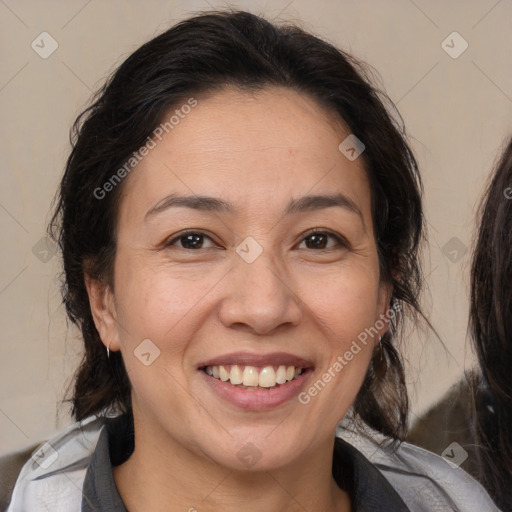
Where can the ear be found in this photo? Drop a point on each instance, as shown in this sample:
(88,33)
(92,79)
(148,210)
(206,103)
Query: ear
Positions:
(383,307)
(103,311)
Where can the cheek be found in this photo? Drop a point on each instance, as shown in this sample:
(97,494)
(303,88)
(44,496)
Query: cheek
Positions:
(156,303)
(345,302)
(345,309)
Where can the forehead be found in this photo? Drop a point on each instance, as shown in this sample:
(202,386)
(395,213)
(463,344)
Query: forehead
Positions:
(249,147)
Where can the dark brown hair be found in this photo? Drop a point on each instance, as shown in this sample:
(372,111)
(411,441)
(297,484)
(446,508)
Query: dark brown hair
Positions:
(198,56)
(491,329)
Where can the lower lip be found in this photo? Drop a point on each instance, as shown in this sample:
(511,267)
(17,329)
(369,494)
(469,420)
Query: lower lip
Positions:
(257,399)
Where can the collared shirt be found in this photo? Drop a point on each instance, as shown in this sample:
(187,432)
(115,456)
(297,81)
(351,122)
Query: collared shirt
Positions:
(78,461)
(353,472)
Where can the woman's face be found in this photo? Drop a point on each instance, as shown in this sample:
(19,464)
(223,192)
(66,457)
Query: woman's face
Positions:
(275,269)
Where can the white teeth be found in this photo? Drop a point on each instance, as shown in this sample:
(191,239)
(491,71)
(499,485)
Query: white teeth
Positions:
(223,374)
(281,375)
(235,376)
(252,376)
(267,377)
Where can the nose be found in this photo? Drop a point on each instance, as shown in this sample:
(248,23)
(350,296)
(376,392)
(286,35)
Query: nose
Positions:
(259,298)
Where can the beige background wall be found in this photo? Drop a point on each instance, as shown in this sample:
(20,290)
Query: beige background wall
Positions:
(458,112)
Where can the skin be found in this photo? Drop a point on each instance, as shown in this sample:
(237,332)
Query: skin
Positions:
(258,151)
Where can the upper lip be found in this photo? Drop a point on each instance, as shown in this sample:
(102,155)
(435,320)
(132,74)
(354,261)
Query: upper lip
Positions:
(252,359)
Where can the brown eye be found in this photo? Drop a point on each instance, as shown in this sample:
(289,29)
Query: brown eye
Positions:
(320,240)
(191,240)
(194,241)
(317,241)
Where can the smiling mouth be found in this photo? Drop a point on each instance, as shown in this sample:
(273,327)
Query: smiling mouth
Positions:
(254,377)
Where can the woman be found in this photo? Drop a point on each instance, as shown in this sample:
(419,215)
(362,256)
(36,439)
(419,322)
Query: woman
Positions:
(239,220)
(491,328)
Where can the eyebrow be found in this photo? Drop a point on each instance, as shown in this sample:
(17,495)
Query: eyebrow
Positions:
(213,204)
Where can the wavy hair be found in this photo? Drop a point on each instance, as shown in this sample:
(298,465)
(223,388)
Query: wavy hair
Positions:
(491,330)
(198,56)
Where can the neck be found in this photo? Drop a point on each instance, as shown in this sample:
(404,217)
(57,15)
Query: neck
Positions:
(163,476)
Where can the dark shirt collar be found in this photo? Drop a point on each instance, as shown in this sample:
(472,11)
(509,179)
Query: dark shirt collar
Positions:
(368,488)
(115,445)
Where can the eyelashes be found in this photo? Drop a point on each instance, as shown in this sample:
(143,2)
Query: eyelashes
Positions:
(193,240)
(316,234)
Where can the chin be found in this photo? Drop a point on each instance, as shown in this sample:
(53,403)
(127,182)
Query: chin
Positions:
(256,452)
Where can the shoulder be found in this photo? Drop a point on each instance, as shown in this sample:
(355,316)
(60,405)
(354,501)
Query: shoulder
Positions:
(420,477)
(52,476)
(10,467)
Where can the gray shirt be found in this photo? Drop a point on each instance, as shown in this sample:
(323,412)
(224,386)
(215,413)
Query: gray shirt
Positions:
(53,478)
(353,472)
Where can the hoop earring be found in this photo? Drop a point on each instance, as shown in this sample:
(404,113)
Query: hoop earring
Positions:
(108,350)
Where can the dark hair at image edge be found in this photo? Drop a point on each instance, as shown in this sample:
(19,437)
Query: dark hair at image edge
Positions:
(491,329)
(198,56)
